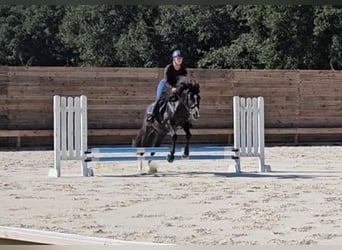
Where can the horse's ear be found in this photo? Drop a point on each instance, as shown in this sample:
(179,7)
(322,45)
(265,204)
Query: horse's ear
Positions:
(181,87)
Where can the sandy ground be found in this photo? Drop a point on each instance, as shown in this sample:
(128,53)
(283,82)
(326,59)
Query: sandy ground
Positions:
(187,203)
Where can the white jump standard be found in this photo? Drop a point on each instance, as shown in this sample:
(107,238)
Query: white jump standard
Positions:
(70,138)
(70,132)
(249,135)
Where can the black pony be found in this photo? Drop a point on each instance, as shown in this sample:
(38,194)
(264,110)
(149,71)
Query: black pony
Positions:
(178,110)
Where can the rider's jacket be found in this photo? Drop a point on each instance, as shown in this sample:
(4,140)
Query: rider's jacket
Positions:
(171,74)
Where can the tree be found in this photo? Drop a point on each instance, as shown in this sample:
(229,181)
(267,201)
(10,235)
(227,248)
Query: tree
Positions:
(235,46)
(138,46)
(328,37)
(92,31)
(285,34)
(241,53)
(173,27)
(210,36)
(29,35)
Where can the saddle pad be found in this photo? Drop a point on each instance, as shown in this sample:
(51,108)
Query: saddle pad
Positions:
(150,108)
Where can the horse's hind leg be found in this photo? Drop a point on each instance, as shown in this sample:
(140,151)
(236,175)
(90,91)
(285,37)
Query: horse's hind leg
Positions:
(154,141)
(142,140)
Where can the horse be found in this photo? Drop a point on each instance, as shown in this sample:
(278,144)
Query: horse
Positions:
(178,111)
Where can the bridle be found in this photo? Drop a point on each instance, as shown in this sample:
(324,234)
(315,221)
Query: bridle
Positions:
(194,108)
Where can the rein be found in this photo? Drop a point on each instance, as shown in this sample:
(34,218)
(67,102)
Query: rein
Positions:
(183,103)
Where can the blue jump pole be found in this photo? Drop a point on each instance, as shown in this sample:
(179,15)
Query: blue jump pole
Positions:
(211,149)
(158,149)
(128,150)
(161,158)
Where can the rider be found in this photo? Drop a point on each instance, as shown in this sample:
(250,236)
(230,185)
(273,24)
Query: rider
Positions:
(171,74)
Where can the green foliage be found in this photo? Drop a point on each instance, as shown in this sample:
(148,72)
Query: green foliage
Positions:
(327,33)
(137,46)
(210,36)
(92,31)
(173,27)
(29,35)
(241,53)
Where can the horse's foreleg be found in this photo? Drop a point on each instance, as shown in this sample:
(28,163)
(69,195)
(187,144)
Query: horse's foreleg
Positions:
(151,154)
(171,156)
(187,137)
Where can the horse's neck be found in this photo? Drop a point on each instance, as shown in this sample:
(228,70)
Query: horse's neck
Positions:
(179,105)
(174,105)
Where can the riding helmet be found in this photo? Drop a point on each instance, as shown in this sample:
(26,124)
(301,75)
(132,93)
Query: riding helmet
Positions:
(176,53)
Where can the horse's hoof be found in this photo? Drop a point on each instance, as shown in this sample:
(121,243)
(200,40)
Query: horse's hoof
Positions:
(170,158)
(184,156)
(153,167)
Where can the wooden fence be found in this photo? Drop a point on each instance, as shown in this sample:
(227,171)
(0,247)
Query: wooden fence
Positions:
(301,106)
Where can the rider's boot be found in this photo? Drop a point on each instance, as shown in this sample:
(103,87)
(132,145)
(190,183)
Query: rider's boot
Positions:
(151,117)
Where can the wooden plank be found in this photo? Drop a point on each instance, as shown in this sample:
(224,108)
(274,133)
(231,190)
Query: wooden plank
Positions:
(13,235)
(128,87)
(205,97)
(195,131)
(327,91)
(269,82)
(84,71)
(132,132)
(69,81)
(265,72)
(317,107)
(312,122)
(275,131)
(310,74)
(323,112)
(319,130)
(318,81)
(106,132)
(211,135)
(106,82)
(309,99)
(28,133)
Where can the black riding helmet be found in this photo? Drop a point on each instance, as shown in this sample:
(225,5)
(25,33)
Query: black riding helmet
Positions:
(176,53)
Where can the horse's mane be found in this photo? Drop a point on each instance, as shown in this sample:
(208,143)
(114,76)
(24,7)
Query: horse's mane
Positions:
(185,83)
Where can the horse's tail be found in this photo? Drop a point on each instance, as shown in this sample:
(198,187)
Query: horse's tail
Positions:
(137,141)
(147,137)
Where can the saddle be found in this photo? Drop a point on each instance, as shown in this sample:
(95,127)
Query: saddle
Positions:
(160,110)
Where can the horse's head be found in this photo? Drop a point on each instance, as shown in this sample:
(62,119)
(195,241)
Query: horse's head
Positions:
(190,91)
(194,101)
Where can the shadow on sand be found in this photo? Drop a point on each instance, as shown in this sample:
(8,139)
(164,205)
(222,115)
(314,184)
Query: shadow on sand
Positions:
(271,175)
